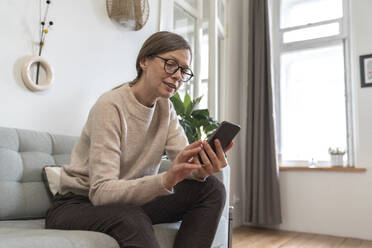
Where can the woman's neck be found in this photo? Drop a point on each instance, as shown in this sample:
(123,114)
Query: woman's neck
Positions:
(143,93)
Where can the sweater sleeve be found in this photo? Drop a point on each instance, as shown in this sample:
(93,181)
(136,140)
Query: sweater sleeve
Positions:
(105,127)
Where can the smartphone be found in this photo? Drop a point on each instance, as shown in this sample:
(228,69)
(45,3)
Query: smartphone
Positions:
(225,133)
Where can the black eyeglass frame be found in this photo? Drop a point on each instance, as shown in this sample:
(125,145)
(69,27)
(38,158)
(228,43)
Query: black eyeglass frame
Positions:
(178,67)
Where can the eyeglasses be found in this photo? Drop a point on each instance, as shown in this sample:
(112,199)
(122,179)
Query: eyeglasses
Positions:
(171,67)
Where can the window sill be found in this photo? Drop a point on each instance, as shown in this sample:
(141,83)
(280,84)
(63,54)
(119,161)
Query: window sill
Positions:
(304,168)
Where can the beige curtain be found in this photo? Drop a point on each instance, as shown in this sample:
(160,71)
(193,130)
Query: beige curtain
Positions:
(262,199)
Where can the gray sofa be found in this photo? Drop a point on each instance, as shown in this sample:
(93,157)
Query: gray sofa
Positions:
(24,199)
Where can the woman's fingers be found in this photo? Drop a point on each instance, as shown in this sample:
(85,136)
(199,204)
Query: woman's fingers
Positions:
(193,145)
(207,164)
(196,160)
(229,146)
(219,151)
(184,169)
(212,156)
(186,155)
(190,166)
(212,162)
(203,171)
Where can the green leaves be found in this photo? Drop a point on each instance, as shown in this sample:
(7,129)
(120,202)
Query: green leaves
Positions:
(178,104)
(188,104)
(194,122)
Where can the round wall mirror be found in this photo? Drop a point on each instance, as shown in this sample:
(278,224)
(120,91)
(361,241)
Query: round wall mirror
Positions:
(27,75)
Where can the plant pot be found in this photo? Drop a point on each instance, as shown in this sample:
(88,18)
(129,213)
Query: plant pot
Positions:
(337,160)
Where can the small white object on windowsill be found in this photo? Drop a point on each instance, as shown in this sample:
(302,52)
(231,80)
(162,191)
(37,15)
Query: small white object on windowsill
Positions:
(337,156)
(337,160)
(313,163)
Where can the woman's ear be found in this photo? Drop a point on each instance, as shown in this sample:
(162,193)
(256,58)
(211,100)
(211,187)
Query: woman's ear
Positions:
(144,63)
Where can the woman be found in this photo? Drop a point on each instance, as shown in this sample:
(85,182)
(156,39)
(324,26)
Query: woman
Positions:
(112,185)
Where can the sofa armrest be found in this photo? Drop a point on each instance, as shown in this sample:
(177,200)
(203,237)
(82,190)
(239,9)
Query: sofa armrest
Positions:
(221,238)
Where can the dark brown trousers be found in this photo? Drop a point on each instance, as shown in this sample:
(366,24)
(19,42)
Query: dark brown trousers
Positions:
(197,204)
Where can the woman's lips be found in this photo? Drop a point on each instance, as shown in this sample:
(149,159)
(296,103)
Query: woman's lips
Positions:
(170,86)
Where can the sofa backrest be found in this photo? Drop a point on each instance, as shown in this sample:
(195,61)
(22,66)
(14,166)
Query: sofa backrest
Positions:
(23,154)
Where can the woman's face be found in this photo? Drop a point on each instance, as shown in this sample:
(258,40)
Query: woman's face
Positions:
(161,83)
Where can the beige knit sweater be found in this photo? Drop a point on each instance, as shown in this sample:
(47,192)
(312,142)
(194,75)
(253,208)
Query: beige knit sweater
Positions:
(117,157)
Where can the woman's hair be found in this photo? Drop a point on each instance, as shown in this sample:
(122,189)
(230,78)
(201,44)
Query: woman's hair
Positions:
(158,43)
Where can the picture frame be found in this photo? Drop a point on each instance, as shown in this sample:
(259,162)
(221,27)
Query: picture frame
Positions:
(365,62)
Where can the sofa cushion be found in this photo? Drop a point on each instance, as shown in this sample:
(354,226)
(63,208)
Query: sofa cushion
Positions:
(31,234)
(23,154)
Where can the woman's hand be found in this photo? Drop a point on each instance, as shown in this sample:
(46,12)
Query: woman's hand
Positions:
(214,162)
(182,165)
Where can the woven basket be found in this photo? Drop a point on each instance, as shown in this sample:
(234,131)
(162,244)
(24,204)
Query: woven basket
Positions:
(130,13)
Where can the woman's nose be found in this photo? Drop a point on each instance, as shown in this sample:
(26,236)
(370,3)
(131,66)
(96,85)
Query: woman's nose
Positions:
(177,75)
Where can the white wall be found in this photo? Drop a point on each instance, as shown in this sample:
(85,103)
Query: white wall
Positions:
(89,53)
(362,44)
(335,203)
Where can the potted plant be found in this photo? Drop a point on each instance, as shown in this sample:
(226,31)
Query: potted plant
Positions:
(196,122)
(337,156)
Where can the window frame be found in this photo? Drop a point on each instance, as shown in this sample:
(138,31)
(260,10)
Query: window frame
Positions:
(217,60)
(279,47)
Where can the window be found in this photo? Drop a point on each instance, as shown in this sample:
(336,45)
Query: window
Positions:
(202,23)
(311,80)
(185,24)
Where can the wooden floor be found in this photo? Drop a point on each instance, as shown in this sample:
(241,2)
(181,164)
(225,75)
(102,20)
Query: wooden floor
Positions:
(263,238)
